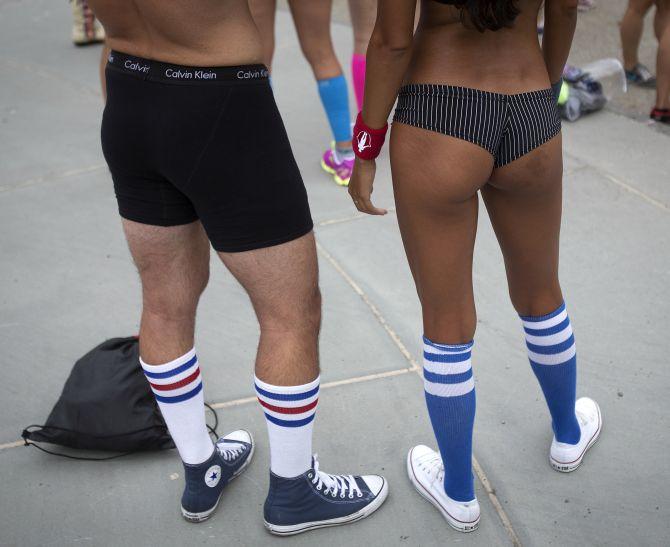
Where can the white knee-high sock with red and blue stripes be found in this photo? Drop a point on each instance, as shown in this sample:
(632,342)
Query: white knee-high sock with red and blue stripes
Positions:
(177,387)
(289,413)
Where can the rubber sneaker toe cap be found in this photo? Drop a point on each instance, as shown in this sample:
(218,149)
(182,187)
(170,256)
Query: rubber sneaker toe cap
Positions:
(240,435)
(375,483)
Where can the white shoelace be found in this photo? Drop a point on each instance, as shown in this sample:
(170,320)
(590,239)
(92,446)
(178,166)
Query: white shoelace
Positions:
(583,418)
(229,451)
(432,465)
(335,484)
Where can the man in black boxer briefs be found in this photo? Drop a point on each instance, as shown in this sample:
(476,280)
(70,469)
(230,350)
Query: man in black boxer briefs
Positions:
(198,154)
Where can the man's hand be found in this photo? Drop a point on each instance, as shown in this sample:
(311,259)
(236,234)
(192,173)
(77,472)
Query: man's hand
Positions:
(360,187)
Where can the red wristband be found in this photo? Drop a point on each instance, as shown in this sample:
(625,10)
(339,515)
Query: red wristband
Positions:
(368,142)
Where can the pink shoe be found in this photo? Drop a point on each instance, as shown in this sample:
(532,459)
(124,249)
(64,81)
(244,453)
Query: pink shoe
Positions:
(340,168)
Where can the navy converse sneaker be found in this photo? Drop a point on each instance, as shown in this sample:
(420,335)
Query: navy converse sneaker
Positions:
(316,499)
(205,482)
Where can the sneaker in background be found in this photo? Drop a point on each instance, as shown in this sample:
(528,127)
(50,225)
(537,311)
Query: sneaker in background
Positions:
(660,115)
(641,75)
(339,165)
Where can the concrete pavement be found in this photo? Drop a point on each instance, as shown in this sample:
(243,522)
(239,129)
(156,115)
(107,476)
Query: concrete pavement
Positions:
(67,282)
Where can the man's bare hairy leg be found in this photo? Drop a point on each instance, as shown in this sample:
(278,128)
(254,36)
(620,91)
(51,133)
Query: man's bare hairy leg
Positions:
(282,282)
(173,263)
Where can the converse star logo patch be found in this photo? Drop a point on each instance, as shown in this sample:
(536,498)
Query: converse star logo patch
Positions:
(213,476)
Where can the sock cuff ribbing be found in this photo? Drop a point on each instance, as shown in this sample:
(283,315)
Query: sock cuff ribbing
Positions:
(288,406)
(447,368)
(170,364)
(549,338)
(287,390)
(176,381)
(550,315)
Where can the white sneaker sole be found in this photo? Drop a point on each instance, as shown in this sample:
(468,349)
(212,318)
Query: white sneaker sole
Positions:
(201,517)
(569,467)
(307,526)
(459,525)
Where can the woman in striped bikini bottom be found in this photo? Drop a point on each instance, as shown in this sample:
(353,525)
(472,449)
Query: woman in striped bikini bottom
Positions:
(496,134)
(507,126)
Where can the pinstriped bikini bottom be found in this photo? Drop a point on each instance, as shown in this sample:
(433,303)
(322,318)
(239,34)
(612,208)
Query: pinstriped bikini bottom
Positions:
(507,126)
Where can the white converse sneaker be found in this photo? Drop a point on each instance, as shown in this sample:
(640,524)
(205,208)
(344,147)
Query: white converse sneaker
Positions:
(565,457)
(426,471)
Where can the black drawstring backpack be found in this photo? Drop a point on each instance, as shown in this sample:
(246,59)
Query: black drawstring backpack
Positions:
(107,405)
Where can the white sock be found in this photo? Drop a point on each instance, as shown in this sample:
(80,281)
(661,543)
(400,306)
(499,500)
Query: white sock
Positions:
(289,413)
(342,154)
(177,386)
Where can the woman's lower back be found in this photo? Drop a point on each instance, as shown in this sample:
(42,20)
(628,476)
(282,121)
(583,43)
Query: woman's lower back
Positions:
(447,51)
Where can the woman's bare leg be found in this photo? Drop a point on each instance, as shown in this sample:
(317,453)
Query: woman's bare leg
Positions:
(631,28)
(436,201)
(312,22)
(363,15)
(524,200)
(435,181)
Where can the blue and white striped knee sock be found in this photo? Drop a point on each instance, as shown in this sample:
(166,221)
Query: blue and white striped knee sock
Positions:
(552,355)
(289,413)
(450,397)
(177,386)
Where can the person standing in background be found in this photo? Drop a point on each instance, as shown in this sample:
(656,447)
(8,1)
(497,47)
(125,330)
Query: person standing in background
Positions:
(312,22)
(630,28)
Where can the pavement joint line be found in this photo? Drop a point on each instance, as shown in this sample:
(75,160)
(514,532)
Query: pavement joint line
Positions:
(359,216)
(483,478)
(13,444)
(247,400)
(621,184)
(52,177)
(375,311)
(634,191)
(490,491)
(493,497)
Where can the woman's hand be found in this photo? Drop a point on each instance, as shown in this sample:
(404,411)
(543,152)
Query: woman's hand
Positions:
(360,187)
